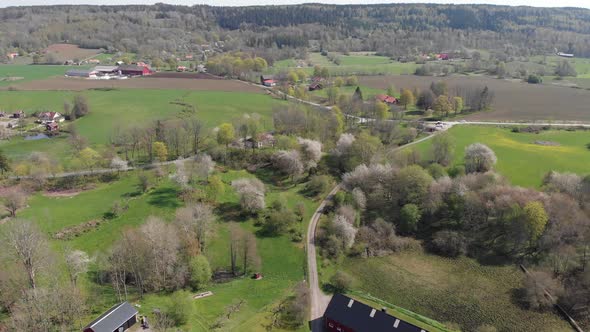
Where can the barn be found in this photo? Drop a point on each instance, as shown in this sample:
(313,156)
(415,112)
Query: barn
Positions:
(345,314)
(135,70)
(117,319)
(81,73)
(106,70)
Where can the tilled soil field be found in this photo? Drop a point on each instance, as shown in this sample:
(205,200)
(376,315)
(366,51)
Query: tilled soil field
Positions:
(514,100)
(154,82)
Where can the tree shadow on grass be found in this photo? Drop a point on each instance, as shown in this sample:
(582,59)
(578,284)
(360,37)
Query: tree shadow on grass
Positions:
(230,211)
(164,198)
(131,194)
(516,297)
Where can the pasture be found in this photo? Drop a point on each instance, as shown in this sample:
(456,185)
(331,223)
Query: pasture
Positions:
(459,291)
(520,160)
(282,259)
(131,107)
(18,74)
(514,100)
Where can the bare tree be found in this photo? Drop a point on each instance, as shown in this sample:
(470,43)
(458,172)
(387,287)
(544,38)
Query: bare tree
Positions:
(535,285)
(118,164)
(479,158)
(344,230)
(311,152)
(204,165)
(15,199)
(25,244)
(251,192)
(195,223)
(76,263)
(288,162)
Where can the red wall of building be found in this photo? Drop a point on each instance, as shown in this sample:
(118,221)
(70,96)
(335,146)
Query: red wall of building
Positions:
(332,325)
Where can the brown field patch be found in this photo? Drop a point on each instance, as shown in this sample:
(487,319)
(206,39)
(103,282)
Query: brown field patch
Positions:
(78,84)
(171,74)
(514,101)
(65,52)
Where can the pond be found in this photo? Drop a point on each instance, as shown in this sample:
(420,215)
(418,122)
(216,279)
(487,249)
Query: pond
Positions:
(36,137)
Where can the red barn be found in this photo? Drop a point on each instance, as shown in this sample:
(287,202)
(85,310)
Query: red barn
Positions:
(348,315)
(135,70)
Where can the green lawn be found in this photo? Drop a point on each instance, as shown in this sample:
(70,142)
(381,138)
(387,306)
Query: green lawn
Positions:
(521,161)
(282,259)
(460,291)
(30,73)
(129,107)
(350,60)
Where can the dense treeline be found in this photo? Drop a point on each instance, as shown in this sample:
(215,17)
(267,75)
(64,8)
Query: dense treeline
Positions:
(281,30)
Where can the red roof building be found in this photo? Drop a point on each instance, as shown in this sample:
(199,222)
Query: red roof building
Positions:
(135,70)
(386,99)
(52,127)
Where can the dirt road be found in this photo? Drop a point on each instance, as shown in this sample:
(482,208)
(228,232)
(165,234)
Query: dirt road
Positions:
(319,300)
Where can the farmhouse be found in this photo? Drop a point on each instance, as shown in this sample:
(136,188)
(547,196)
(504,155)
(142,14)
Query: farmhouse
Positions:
(268,80)
(52,127)
(19,114)
(181,68)
(386,99)
(348,315)
(50,117)
(118,318)
(12,55)
(263,140)
(87,73)
(135,70)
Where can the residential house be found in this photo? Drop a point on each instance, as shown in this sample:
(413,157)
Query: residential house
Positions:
(52,127)
(12,55)
(135,70)
(45,117)
(264,140)
(268,80)
(181,68)
(386,99)
(94,61)
(345,314)
(19,114)
(316,84)
(117,319)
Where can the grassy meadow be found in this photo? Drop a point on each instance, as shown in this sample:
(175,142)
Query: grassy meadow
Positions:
(29,73)
(459,291)
(519,159)
(282,259)
(126,108)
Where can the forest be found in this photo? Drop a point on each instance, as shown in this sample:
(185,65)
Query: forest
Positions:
(278,32)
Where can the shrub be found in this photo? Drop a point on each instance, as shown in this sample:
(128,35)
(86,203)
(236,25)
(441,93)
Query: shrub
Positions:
(534,79)
(449,243)
(318,184)
(179,308)
(341,281)
(200,271)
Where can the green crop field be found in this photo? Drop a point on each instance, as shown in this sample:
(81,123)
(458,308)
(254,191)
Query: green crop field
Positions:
(460,291)
(282,259)
(351,60)
(127,108)
(522,161)
(29,73)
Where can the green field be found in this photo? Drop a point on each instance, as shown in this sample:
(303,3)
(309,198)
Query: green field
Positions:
(282,260)
(30,73)
(519,159)
(127,108)
(353,60)
(460,291)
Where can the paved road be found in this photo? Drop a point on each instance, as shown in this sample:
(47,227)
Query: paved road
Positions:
(319,300)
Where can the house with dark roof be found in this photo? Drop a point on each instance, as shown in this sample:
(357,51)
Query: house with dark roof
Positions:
(117,319)
(345,314)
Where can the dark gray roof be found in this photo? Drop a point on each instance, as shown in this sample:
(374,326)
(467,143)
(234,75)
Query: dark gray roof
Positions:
(361,317)
(79,72)
(112,319)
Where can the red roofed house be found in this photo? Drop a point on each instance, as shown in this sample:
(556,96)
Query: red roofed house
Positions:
(52,127)
(181,68)
(386,99)
(12,55)
(268,80)
(50,117)
(443,56)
